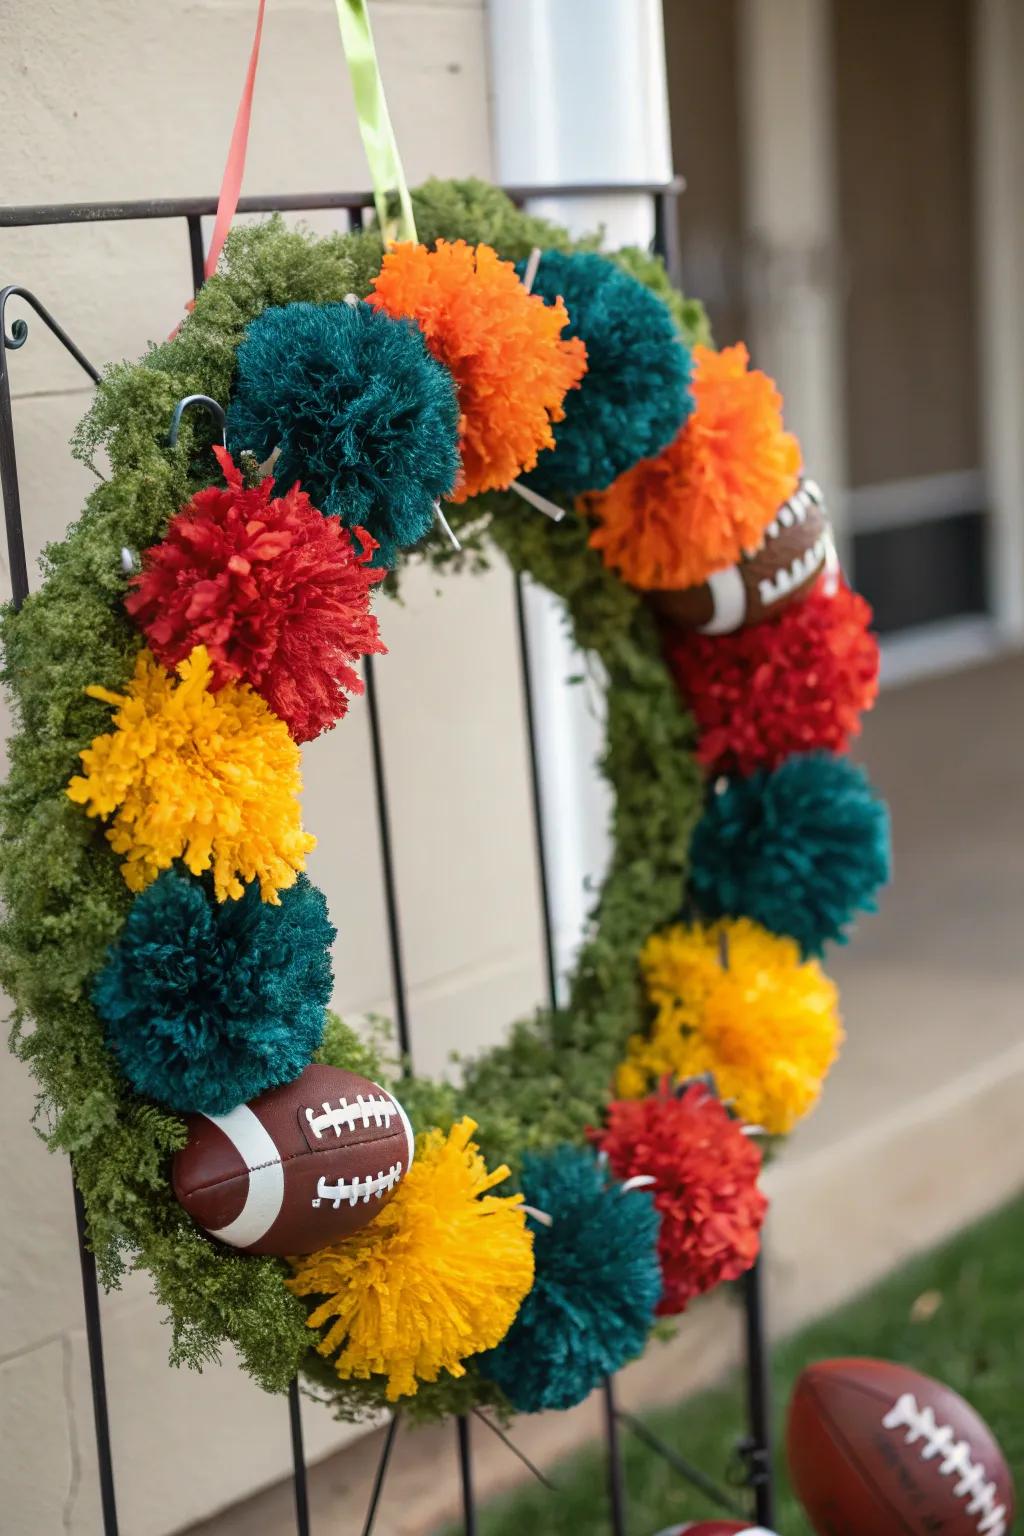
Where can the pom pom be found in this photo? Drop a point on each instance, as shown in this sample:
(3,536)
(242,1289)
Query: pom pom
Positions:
(706,1192)
(437,1276)
(278,594)
(798,682)
(361,412)
(597,1284)
(635,395)
(670,521)
(208,778)
(688,315)
(736,1001)
(800,850)
(503,345)
(208,1003)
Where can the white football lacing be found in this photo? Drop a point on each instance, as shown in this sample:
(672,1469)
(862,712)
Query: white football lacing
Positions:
(795,510)
(335,1117)
(940,1440)
(359,1189)
(786,580)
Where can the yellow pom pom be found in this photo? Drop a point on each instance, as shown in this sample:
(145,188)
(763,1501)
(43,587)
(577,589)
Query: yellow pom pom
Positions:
(208,778)
(734,1000)
(437,1276)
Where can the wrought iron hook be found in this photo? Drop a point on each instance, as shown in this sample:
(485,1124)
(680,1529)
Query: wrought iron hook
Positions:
(11,342)
(215,409)
(19,330)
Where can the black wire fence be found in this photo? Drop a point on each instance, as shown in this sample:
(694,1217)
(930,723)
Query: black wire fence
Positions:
(754,1448)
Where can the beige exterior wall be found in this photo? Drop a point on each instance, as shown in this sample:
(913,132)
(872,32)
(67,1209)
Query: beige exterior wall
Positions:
(129,99)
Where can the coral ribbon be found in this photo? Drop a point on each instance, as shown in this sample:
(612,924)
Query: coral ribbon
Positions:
(386,173)
(378,135)
(231,185)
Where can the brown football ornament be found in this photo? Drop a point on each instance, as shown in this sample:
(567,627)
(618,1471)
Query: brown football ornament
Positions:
(792,555)
(298,1167)
(877,1449)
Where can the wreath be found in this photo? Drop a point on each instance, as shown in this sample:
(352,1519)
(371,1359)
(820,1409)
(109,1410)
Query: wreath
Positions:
(168,958)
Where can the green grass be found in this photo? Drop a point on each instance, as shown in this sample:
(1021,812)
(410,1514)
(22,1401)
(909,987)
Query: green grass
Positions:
(973,1339)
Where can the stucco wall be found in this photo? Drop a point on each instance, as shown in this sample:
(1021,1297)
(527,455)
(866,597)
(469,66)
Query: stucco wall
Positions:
(129,99)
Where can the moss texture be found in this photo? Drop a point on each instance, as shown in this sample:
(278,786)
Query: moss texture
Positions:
(63,896)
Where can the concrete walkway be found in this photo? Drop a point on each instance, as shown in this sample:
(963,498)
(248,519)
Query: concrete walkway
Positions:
(934,984)
(919,1129)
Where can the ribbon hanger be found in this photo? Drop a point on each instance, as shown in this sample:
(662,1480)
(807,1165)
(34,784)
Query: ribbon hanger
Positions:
(234,169)
(378,134)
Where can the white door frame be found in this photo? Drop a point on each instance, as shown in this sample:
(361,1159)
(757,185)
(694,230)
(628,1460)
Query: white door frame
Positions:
(999,172)
(790,189)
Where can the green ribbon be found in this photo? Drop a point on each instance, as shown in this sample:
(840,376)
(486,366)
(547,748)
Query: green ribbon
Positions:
(386,173)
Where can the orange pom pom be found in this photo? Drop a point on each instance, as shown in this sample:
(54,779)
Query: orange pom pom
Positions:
(502,345)
(669,522)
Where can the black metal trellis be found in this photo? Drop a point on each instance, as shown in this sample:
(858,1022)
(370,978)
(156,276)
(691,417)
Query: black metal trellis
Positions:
(755,1448)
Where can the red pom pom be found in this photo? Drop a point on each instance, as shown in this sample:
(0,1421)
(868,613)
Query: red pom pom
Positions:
(278,594)
(705,1188)
(793,684)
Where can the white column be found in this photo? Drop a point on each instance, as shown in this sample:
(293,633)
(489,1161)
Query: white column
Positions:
(999,127)
(794,255)
(579,97)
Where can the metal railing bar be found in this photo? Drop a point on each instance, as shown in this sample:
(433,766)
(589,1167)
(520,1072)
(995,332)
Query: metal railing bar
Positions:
(388,864)
(97,1370)
(19,330)
(173,208)
(469,1520)
(299,1479)
(686,1469)
(516,1451)
(18,563)
(12,341)
(381,1473)
(758,1450)
(196,251)
(536,792)
(666,231)
(616,1482)
(19,215)
(17,559)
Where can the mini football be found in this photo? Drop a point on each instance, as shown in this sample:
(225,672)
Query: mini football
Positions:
(298,1167)
(876,1447)
(790,558)
(715,1528)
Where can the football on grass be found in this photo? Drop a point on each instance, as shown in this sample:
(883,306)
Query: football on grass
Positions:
(716,1528)
(877,1448)
(298,1167)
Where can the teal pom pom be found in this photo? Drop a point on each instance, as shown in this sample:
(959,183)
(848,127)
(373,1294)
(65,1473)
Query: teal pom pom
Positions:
(208,1003)
(635,394)
(801,850)
(597,1283)
(363,415)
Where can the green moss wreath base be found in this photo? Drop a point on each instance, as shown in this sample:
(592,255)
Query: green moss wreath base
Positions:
(64,896)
